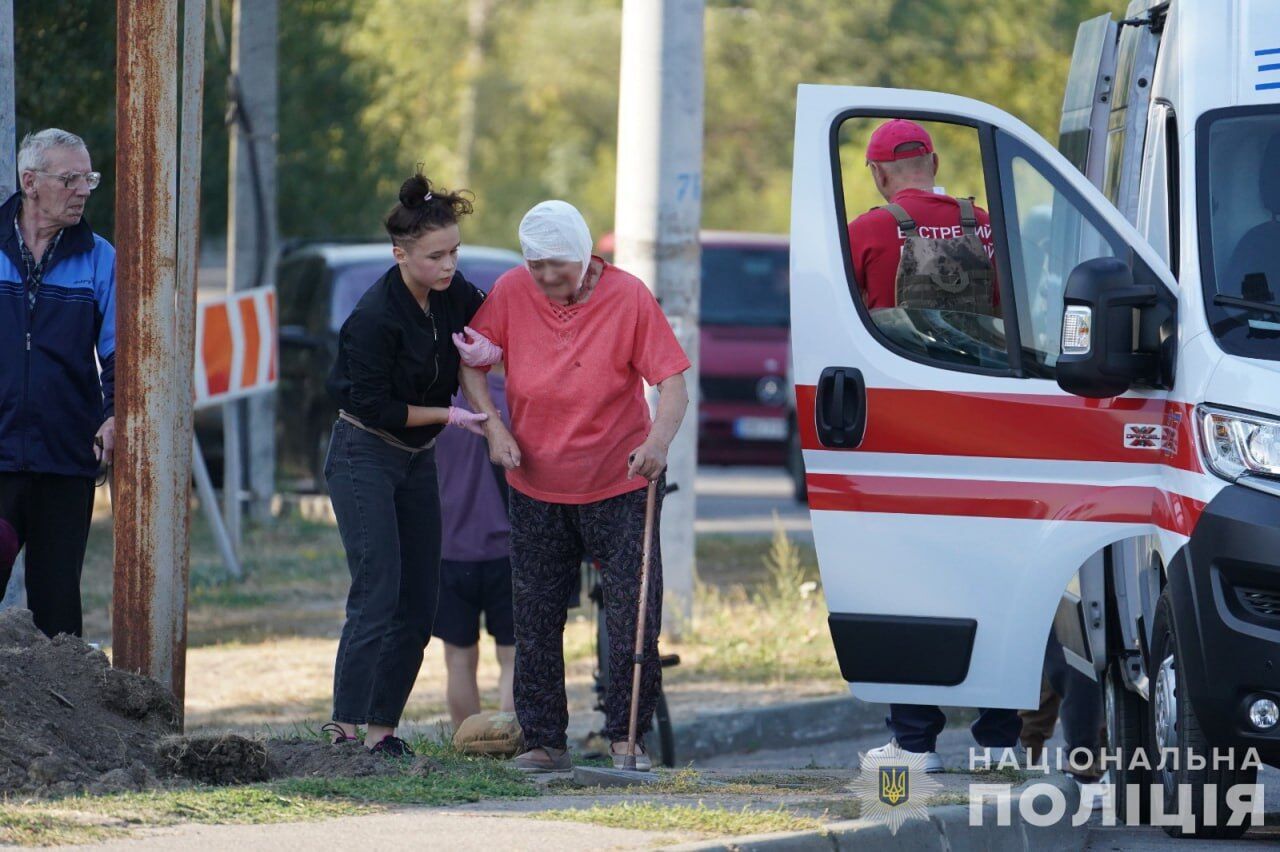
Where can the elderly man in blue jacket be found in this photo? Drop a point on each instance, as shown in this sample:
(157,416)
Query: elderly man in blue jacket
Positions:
(57,424)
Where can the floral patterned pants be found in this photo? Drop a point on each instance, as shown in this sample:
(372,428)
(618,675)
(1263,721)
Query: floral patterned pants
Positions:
(548,544)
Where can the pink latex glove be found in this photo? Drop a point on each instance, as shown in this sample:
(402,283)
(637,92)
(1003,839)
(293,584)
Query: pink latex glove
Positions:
(476,349)
(468,420)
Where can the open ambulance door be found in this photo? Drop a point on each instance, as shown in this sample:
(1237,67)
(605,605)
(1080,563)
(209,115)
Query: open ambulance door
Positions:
(954,488)
(1086,106)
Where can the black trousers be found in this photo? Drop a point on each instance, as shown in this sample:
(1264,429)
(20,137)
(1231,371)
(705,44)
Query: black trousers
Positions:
(387,502)
(548,544)
(916,727)
(51,515)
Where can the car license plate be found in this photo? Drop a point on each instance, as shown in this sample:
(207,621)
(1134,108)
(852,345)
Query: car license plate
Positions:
(760,428)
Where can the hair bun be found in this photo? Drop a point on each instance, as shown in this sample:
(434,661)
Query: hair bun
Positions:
(414,191)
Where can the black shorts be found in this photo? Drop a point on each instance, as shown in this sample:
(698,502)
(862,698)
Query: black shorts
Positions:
(468,589)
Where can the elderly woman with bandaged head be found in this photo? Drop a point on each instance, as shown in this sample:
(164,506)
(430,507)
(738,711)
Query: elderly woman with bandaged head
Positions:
(580,339)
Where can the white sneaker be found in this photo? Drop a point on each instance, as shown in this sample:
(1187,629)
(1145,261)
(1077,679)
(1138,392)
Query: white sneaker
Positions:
(932,763)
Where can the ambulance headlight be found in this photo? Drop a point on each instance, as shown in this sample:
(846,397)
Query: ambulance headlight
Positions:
(1235,443)
(1077,321)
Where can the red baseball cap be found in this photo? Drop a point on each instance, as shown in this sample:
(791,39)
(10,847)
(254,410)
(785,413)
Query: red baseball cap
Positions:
(891,134)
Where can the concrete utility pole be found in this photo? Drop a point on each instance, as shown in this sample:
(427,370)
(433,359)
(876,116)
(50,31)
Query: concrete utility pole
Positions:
(8,122)
(251,238)
(16,594)
(151,505)
(657,219)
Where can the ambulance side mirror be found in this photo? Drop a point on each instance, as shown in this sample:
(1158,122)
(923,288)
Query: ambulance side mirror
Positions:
(1116,332)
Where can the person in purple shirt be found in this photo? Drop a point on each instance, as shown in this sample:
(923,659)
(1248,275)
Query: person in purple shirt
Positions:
(475,571)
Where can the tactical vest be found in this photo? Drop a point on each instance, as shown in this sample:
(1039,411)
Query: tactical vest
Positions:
(944,274)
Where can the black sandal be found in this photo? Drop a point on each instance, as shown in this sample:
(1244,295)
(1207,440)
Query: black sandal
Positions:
(337,736)
(392,746)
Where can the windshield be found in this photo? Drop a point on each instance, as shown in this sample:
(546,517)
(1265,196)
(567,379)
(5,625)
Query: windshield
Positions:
(745,286)
(1239,198)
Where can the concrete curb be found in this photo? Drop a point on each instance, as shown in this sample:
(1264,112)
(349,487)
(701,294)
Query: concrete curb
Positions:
(798,723)
(946,829)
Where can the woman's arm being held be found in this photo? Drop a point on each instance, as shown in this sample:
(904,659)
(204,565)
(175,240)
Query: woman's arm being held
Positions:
(650,458)
(503,448)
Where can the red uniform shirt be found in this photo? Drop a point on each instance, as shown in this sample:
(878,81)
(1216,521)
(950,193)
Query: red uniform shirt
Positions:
(876,242)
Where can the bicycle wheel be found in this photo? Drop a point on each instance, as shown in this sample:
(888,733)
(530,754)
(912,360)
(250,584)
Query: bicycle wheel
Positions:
(666,735)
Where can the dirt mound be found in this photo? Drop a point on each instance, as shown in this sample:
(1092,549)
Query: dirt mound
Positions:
(68,721)
(224,759)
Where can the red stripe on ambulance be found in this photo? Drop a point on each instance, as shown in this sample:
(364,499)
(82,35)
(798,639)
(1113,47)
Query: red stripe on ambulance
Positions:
(979,498)
(1016,426)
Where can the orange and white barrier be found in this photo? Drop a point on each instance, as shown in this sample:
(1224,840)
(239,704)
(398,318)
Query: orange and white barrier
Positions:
(236,346)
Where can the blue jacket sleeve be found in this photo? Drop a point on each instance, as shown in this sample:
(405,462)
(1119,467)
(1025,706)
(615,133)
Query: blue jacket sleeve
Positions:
(104,296)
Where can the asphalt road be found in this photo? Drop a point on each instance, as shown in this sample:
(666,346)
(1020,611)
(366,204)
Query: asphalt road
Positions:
(742,501)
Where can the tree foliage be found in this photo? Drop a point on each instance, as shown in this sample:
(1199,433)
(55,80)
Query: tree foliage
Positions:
(524,107)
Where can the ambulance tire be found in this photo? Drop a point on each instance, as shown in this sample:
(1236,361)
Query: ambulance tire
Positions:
(1126,718)
(1172,707)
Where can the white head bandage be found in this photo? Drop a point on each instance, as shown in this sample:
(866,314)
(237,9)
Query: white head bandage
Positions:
(555,230)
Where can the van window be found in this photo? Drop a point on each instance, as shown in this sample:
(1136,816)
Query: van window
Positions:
(742,285)
(929,284)
(1238,193)
(1051,232)
(349,284)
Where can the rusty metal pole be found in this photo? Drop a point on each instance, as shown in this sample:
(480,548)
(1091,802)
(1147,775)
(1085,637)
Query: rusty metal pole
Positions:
(149,598)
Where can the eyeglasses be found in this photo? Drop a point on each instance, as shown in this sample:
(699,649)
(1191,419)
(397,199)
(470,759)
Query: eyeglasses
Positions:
(73,179)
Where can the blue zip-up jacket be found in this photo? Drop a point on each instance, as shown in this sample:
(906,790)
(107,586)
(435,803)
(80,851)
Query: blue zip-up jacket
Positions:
(52,398)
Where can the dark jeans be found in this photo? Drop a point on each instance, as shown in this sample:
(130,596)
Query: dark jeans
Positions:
(916,727)
(388,507)
(51,515)
(548,543)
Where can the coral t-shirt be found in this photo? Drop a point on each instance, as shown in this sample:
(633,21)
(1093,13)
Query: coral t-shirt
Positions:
(875,241)
(575,381)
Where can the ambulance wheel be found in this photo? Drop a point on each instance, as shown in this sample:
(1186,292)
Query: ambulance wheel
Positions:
(1173,726)
(1127,737)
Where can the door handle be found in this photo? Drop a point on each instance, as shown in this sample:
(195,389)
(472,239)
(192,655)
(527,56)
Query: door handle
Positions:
(840,410)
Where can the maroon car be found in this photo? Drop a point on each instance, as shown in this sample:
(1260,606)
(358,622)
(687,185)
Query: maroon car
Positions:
(745,314)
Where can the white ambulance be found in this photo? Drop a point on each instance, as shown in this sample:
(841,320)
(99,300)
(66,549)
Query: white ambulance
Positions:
(1104,456)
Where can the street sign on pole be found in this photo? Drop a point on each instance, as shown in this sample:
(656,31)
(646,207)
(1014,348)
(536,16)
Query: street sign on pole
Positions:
(656,224)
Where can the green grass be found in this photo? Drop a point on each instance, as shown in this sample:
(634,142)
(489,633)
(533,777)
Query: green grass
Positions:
(650,816)
(461,778)
(771,631)
(84,819)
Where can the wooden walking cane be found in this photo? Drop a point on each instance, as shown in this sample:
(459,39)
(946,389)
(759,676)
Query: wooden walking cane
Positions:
(629,762)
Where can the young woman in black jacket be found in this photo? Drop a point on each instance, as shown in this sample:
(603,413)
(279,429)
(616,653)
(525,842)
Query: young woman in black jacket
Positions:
(396,370)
